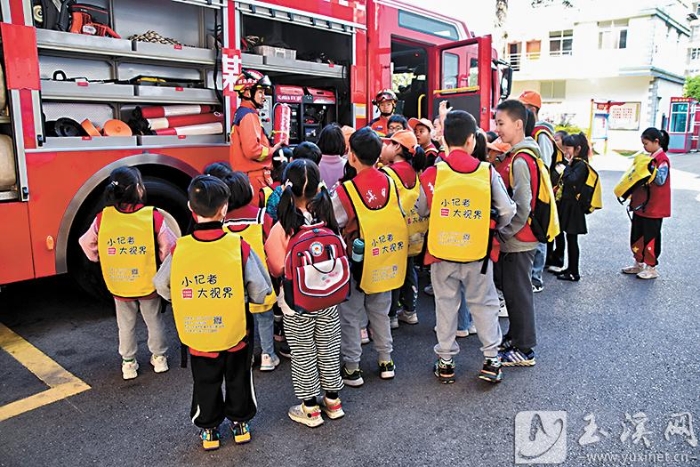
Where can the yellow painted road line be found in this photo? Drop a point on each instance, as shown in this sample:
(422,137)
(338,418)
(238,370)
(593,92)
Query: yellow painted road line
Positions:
(62,384)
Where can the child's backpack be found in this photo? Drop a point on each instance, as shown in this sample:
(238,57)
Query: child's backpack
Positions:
(640,173)
(317,271)
(544,219)
(591,196)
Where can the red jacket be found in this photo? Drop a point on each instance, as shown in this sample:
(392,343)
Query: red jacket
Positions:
(373,186)
(659,202)
(380,125)
(525,234)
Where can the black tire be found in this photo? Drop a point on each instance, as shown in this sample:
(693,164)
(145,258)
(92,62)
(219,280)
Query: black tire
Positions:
(88,275)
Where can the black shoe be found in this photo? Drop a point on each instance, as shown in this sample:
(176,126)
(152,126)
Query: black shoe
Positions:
(284,350)
(569,277)
(562,272)
(445,370)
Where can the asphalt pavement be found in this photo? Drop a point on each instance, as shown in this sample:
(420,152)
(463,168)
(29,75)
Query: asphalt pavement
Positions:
(616,382)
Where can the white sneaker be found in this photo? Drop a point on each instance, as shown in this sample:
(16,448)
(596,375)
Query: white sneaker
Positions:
(394,322)
(129,369)
(472,329)
(269,362)
(636,268)
(649,272)
(160,363)
(364,336)
(461,333)
(408,317)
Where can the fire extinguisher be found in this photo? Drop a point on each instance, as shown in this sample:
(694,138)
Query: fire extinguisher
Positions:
(282,123)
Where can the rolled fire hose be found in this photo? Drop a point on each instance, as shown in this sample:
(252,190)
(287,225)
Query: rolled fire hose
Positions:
(191,130)
(183,120)
(171,110)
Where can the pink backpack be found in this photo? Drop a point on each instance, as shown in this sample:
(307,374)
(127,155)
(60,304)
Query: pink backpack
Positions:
(317,271)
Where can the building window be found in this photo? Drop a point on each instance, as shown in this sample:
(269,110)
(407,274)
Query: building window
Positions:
(532,49)
(612,34)
(561,42)
(694,54)
(514,55)
(679,117)
(553,89)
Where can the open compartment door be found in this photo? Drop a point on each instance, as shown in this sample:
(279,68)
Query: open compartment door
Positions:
(461,74)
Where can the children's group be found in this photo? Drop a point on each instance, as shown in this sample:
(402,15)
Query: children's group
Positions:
(317,249)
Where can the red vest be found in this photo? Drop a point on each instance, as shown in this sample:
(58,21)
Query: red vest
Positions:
(659,203)
(525,234)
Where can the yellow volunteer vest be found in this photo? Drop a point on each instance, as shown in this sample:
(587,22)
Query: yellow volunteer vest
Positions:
(208,292)
(253,235)
(386,241)
(127,248)
(417,225)
(460,214)
(267,191)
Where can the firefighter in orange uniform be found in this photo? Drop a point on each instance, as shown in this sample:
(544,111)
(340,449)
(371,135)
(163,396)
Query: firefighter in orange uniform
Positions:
(251,151)
(386,103)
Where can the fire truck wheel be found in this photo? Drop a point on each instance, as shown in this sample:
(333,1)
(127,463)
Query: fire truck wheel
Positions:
(161,193)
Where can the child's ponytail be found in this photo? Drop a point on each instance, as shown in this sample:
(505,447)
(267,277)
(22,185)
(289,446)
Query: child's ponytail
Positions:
(290,217)
(125,187)
(321,207)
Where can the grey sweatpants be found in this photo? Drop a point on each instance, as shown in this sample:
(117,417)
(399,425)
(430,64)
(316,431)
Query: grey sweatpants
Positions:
(513,272)
(126,322)
(351,316)
(482,300)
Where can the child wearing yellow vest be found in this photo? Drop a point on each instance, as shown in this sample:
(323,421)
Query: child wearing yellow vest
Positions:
(212,276)
(253,225)
(368,210)
(313,337)
(403,148)
(458,194)
(128,239)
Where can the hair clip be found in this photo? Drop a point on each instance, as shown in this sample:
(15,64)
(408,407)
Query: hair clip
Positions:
(114,183)
(280,157)
(322,184)
(289,184)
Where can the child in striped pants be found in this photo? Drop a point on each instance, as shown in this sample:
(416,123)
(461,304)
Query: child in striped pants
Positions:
(313,337)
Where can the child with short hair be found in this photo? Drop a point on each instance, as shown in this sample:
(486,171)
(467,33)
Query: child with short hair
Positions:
(313,337)
(331,142)
(513,270)
(396,123)
(402,148)
(368,209)
(129,239)
(211,276)
(458,195)
(650,204)
(253,224)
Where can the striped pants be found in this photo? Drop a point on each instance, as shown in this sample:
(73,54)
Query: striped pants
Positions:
(314,339)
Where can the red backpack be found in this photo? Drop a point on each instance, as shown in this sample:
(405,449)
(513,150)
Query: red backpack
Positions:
(317,271)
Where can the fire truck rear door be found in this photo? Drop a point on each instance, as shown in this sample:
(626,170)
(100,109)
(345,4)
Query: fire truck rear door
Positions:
(461,74)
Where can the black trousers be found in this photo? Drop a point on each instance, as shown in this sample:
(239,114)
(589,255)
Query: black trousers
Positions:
(645,239)
(209,406)
(569,243)
(513,271)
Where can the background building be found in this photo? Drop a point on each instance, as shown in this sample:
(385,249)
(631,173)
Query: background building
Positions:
(623,51)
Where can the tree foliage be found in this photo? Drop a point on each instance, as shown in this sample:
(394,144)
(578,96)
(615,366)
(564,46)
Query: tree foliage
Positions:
(536,3)
(692,87)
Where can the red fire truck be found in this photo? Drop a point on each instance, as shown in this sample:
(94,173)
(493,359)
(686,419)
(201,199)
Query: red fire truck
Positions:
(166,68)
